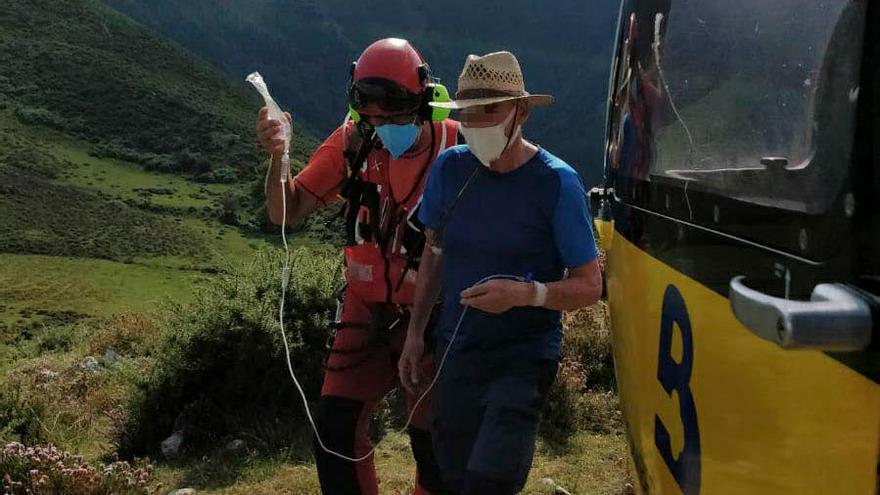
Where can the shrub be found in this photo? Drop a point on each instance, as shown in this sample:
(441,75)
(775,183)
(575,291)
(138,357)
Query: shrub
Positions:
(119,152)
(20,415)
(588,340)
(229,209)
(58,335)
(55,400)
(46,470)
(160,163)
(192,162)
(128,334)
(40,116)
(600,412)
(220,367)
(560,418)
(583,397)
(222,174)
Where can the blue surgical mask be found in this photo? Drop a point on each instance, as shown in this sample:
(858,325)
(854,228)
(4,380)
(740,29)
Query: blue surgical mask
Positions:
(398,138)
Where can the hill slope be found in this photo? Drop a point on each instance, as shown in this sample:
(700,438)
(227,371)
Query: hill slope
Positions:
(95,75)
(115,145)
(304,48)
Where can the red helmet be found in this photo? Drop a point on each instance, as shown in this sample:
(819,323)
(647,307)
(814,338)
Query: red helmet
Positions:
(391,75)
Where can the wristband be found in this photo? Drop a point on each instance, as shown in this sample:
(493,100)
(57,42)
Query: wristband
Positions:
(540,294)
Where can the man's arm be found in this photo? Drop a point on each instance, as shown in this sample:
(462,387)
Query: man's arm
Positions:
(325,173)
(427,292)
(427,287)
(583,287)
(300,204)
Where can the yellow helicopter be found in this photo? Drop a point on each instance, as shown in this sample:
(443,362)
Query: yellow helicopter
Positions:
(740,214)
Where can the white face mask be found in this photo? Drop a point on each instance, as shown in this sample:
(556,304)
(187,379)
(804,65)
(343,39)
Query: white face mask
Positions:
(488,143)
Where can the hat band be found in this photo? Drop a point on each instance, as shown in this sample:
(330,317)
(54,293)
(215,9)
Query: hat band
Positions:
(472,94)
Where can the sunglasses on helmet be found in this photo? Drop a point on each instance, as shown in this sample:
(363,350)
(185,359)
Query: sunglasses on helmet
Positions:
(386,95)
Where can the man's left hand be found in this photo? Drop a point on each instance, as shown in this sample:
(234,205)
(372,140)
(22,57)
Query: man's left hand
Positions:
(498,296)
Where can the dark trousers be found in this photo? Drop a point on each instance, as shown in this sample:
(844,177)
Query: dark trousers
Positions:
(360,372)
(485,417)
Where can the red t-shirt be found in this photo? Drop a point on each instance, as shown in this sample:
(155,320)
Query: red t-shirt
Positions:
(374,275)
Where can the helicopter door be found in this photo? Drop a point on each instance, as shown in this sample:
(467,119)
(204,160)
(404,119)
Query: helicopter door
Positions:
(740,274)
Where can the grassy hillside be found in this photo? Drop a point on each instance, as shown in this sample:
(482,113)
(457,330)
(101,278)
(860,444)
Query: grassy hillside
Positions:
(304,48)
(88,235)
(85,70)
(117,145)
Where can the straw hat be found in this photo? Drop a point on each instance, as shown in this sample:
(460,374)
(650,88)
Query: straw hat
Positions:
(489,79)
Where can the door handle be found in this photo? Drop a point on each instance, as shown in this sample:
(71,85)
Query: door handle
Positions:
(836,318)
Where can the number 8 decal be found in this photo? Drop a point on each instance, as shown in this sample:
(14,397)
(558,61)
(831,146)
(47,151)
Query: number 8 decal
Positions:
(675,376)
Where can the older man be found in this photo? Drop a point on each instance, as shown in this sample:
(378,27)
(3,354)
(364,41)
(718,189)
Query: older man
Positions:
(498,206)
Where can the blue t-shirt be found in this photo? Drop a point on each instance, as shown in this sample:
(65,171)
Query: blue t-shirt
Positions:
(531,222)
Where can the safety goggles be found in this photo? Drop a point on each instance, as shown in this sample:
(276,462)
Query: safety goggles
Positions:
(383,95)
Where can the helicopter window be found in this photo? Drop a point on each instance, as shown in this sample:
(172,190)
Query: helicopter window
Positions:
(756,102)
